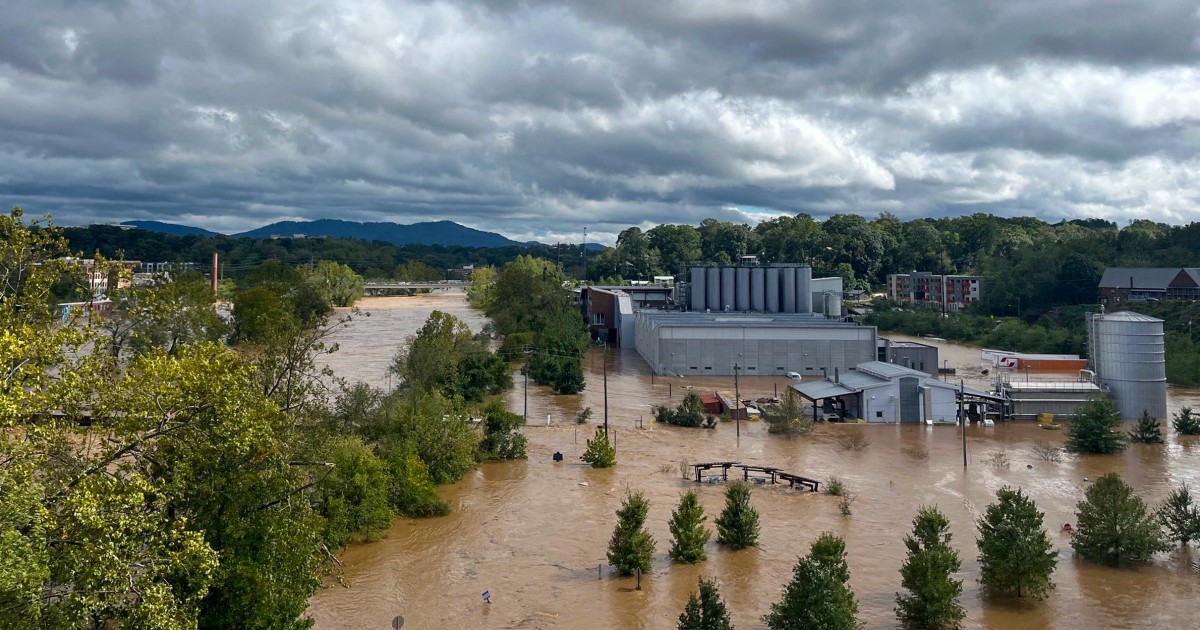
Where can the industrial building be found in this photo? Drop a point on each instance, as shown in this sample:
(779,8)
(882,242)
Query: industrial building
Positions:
(759,344)
(779,288)
(943,292)
(880,392)
(1027,399)
(1122,284)
(1127,352)
(608,310)
(910,354)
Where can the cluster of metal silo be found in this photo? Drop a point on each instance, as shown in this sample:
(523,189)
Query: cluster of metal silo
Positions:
(775,289)
(1128,354)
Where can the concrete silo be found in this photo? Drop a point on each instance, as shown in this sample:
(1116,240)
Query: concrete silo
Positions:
(804,303)
(712,289)
(697,289)
(742,303)
(727,290)
(758,292)
(1128,354)
(789,290)
(773,290)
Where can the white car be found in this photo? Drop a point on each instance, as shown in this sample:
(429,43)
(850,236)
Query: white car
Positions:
(794,376)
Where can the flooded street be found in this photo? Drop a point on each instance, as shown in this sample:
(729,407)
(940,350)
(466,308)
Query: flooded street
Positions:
(534,532)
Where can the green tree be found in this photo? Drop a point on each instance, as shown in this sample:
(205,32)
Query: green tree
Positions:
(1015,557)
(429,360)
(1114,526)
(706,611)
(688,533)
(788,417)
(410,488)
(480,291)
(353,496)
(417,271)
(502,438)
(1147,431)
(676,245)
(1186,422)
(932,598)
(737,526)
(1095,428)
(631,546)
(439,431)
(337,281)
(599,452)
(558,353)
(818,597)
(689,413)
(1179,516)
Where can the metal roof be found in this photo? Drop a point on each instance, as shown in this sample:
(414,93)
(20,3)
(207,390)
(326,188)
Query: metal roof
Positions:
(1144,277)
(1128,316)
(856,379)
(739,320)
(816,390)
(888,370)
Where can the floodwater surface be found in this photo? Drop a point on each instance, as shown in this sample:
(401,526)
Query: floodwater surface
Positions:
(533,533)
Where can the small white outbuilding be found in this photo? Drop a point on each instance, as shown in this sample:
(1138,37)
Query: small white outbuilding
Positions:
(886,393)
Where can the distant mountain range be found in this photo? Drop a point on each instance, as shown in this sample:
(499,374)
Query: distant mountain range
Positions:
(428,233)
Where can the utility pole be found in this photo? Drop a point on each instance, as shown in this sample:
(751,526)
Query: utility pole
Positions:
(962,417)
(525,413)
(606,390)
(737,401)
(585,255)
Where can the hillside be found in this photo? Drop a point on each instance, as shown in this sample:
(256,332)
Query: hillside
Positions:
(429,233)
(169,228)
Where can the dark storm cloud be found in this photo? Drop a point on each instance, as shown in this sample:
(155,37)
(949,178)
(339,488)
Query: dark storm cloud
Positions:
(540,118)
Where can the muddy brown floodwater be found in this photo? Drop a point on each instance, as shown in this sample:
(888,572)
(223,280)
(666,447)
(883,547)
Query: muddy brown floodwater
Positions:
(533,532)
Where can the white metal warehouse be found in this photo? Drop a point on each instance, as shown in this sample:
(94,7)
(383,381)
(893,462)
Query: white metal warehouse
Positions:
(765,344)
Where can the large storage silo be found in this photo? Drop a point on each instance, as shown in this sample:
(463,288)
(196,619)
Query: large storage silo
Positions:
(743,289)
(712,289)
(758,292)
(697,289)
(1128,354)
(832,305)
(772,290)
(804,290)
(727,292)
(789,290)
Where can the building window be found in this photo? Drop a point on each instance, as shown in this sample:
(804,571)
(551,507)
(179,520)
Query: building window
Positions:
(878,414)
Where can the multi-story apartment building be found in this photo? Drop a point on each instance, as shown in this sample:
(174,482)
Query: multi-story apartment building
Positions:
(922,288)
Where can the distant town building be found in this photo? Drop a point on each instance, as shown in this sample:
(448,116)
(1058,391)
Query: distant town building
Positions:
(100,279)
(1134,284)
(944,292)
(167,267)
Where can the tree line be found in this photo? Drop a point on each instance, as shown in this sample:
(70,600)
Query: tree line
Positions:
(167,466)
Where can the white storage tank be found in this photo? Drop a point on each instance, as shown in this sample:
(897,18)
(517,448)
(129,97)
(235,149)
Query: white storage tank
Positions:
(697,289)
(832,306)
(1128,353)
(742,303)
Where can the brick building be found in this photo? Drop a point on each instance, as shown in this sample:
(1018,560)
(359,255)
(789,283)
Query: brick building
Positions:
(1134,284)
(922,288)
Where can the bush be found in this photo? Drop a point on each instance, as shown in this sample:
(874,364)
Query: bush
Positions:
(999,459)
(835,487)
(689,413)
(1185,422)
(688,534)
(737,527)
(410,488)
(583,416)
(502,437)
(853,440)
(353,496)
(1114,525)
(631,546)
(599,453)
(1015,557)
(1096,428)
(917,453)
(845,502)
(1047,452)
(1147,431)
(932,598)
(788,417)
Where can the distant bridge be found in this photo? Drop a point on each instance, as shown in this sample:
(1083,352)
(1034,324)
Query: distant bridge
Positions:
(383,286)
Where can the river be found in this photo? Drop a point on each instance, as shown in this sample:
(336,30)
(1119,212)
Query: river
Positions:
(533,533)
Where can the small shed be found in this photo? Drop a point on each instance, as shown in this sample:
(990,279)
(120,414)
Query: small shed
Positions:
(712,404)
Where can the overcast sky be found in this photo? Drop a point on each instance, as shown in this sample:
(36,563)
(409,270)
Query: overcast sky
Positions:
(537,119)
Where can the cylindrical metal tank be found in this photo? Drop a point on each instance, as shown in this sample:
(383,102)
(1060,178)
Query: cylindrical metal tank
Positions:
(832,306)
(772,287)
(712,289)
(758,292)
(743,289)
(697,289)
(1129,355)
(789,290)
(804,290)
(727,296)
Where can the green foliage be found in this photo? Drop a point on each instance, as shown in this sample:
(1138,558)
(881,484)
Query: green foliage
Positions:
(932,598)
(583,416)
(1095,428)
(818,597)
(502,438)
(689,413)
(707,611)
(516,345)
(410,488)
(353,496)
(166,314)
(417,271)
(558,353)
(1015,557)
(480,293)
(1147,431)
(1179,516)
(444,357)
(599,453)
(631,546)
(834,486)
(337,282)
(1186,422)
(737,526)
(788,418)
(1114,526)
(688,534)
(438,430)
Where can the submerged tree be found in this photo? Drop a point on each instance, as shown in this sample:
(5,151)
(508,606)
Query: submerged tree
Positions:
(1186,422)
(502,437)
(932,598)
(688,533)
(1114,524)
(1095,428)
(631,546)
(1147,431)
(706,612)
(737,526)
(1015,557)
(788,417)
(1179,516)
(600,453)
(819,596)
